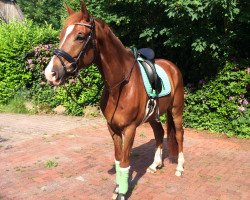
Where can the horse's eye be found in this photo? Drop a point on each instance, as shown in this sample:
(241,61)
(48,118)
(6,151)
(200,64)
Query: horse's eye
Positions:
(80,37)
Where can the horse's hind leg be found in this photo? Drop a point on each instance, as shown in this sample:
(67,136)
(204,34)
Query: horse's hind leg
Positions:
(159,134)
(177,113)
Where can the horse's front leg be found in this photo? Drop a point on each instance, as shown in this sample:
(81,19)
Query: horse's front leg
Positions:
(122,152)
(117,139)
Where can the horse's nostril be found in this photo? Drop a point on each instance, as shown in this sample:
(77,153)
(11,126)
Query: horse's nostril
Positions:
(53,73)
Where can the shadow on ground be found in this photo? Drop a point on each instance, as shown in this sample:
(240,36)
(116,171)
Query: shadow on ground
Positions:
(141,158)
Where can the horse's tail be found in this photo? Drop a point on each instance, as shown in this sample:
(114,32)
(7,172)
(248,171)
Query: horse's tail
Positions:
(171,133)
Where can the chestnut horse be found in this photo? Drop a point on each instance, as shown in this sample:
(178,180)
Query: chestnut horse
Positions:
(85,41)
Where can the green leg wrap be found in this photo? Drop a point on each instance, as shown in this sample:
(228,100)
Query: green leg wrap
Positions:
(118,172)
(123,184)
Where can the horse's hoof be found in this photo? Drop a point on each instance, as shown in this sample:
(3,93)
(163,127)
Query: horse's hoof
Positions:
(115,192)
(114,196)
(178,173)
(121,197)
(151,170)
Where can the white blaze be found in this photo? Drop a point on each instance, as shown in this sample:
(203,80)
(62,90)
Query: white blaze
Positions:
(68,31)
(48,70)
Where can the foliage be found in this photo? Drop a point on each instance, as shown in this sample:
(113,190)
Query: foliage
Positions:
(43,11)
(16,39)
(197,35)
(82,94)
(221,105)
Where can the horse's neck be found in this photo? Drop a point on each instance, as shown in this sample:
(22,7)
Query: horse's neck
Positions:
(115,60)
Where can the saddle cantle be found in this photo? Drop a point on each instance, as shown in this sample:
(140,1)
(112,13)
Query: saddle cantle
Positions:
(147,53)
(147,62)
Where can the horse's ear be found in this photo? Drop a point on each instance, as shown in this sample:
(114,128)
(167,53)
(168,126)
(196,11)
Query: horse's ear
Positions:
(85,12)
(69,10)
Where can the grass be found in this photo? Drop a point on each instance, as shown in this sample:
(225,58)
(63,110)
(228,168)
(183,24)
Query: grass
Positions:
(51,164)
(218,178)
(142,135)
(16,105)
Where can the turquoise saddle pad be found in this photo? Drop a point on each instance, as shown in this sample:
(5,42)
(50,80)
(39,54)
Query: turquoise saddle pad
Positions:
(166,87)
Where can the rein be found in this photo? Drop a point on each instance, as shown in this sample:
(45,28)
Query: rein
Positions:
(125,79)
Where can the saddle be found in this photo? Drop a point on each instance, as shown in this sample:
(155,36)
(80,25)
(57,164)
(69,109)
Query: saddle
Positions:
(148,64)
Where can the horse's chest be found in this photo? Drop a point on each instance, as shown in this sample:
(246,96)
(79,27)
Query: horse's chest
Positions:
(118,112)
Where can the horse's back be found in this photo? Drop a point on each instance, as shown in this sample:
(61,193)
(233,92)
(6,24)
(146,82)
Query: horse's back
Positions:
(176,96)
(173,72)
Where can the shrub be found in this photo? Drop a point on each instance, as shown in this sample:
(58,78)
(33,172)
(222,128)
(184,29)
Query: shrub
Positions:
(221,105)
(17,38)
(24,53)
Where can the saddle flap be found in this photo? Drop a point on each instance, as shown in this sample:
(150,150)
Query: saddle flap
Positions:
(154,79)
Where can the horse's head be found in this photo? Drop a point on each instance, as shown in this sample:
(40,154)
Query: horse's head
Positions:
(76,48)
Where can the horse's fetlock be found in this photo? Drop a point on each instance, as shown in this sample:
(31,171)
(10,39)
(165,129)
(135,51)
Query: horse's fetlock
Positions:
(180,168)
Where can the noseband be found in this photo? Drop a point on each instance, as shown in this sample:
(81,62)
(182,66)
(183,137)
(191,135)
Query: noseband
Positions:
(74,63)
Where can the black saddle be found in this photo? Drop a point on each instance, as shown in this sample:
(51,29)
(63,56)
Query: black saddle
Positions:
(148,56)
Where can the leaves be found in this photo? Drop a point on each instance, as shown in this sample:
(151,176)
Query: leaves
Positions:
(221,105)
(16,40)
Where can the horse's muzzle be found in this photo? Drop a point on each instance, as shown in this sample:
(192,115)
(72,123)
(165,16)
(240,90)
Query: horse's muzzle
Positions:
(54,75)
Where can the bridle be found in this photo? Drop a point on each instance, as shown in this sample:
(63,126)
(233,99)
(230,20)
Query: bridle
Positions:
(74,63)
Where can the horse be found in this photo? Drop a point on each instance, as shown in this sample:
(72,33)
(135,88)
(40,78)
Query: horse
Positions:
(84,41)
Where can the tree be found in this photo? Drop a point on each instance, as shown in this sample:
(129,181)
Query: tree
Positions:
(198,35)
(43,11)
